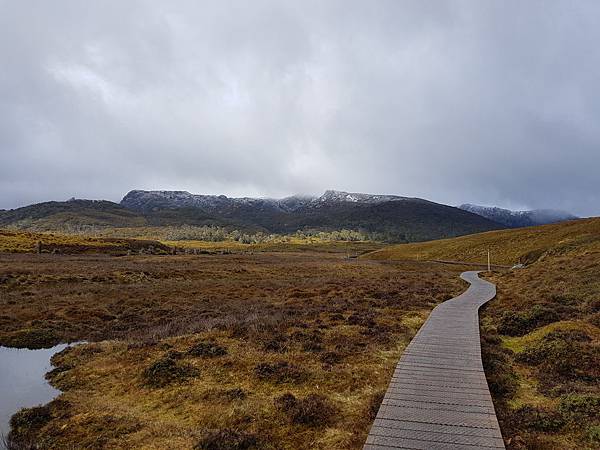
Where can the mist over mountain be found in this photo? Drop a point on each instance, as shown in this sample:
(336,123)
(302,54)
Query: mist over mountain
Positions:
(516,219)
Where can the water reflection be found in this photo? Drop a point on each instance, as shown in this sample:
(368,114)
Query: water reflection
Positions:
(22,382)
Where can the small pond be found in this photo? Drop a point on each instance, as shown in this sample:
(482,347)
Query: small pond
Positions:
(22,382)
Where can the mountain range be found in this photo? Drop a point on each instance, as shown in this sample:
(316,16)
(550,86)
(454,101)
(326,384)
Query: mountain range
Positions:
(517,219)
(383,217)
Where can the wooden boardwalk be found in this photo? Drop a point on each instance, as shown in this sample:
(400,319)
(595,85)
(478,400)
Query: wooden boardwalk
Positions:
(438,397)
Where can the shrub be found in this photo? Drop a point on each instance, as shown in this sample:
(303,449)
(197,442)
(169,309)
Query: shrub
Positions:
(594,319)
(235,394)
(227,439)
(565,354)
(513,324)
(314,410)
(519,324)
(280,372)
(578,408)
(500,375)
(374,404)
(336,317)
(331,358)
(593,305)
(541,315)
(33,338)
(377,333)
(225,395)
(568,335)
(535,441)
(314,347)
(545,351)
(538,419)
(593,433)
(532,256)
(174,354)
(285,402)
(278,345)
(166,371)
(365,320)
(502,383)
(26,423)
(313,344)
(207,349)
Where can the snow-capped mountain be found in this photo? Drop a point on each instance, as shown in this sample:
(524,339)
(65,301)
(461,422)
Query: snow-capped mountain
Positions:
(356,197)
(394,217)
(140,200)
(516,219)
(383,217)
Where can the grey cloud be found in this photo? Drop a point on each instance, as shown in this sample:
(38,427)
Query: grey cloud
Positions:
(456,101)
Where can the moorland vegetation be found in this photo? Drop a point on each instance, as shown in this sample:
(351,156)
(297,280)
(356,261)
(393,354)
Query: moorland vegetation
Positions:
(236,351)
(262,346)
(541,335)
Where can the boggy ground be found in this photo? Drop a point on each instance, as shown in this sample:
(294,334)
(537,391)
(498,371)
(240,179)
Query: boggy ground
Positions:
(213,352)
(541,352)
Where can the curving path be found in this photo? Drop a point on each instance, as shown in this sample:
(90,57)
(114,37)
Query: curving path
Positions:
(438,397)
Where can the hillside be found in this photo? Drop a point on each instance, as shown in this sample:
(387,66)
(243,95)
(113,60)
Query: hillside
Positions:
(12,241)
(72,214)
(517,219)
(380,217)
(506,246)
(385,217)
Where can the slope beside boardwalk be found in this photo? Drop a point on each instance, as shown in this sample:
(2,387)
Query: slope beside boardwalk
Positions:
(438,396)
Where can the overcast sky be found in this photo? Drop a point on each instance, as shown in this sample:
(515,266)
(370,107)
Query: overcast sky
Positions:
(490,102)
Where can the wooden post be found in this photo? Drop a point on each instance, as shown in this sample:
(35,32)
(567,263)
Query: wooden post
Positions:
(489,265)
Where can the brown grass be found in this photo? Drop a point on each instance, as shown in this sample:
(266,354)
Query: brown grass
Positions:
(201,347)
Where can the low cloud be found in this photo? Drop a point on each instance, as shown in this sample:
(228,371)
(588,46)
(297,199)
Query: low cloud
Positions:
(460,101)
